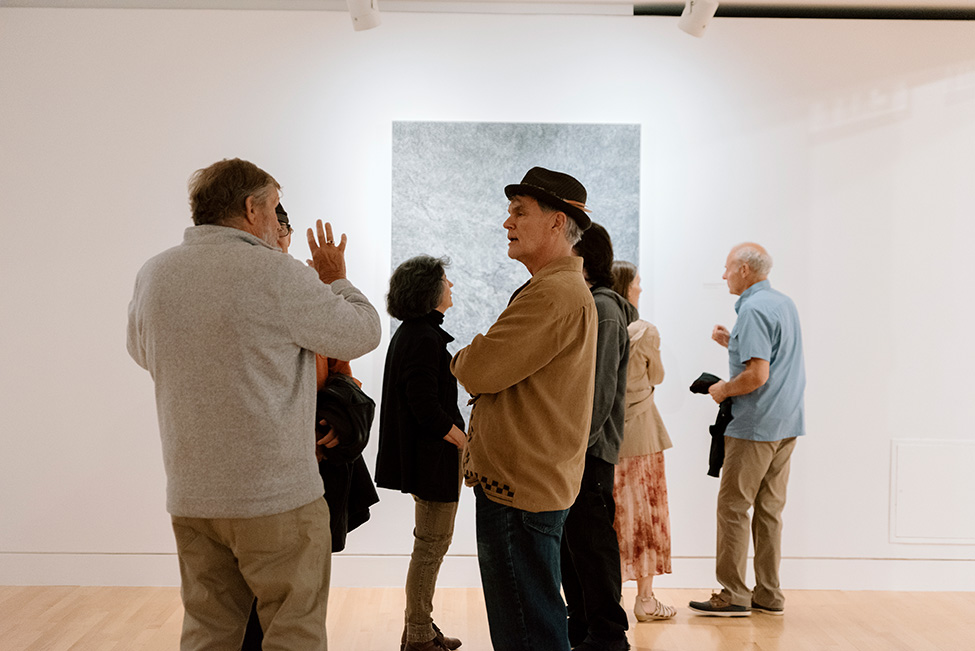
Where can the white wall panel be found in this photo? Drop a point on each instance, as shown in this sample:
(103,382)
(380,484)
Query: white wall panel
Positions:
(930,501)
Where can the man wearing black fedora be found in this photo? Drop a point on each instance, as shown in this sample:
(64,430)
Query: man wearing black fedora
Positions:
(531,377)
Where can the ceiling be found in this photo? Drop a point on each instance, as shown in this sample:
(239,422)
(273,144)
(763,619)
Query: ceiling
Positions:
(903,9)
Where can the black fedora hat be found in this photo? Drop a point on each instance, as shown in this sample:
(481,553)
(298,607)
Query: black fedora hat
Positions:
(556,189)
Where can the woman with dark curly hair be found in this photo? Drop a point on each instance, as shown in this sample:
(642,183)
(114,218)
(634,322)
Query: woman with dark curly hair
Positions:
(421,433)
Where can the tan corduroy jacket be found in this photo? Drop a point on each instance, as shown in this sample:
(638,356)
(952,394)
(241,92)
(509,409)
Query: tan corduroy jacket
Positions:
(532,375)
(643,428)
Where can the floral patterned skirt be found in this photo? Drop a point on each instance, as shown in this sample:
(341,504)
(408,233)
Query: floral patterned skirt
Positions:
(642,517)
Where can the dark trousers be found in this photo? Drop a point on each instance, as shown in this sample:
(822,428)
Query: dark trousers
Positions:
(591,560)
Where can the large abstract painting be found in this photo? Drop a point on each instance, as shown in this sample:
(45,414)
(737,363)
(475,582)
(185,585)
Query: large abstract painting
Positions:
(448,200)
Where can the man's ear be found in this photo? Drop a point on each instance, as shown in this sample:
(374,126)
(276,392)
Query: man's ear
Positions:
(250,210)
(558,220)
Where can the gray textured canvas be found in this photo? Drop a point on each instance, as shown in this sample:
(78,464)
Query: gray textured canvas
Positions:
(448,200)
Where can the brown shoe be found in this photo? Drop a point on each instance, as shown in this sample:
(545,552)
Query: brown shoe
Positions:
(449,643)
(718,606)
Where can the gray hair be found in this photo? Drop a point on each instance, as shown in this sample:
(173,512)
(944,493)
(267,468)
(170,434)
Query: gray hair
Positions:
(757,260)
(416,287)
(573,232)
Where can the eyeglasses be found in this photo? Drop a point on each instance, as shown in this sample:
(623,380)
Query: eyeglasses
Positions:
(284,229)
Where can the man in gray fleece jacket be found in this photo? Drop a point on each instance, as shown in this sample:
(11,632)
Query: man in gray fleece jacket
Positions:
(228,327)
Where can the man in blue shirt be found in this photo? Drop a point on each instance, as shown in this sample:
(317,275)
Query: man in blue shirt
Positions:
(768,378)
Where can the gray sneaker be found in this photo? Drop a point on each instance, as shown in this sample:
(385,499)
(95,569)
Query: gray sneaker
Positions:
(716,606)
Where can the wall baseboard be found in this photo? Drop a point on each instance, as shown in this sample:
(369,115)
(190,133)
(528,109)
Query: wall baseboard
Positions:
(462,572)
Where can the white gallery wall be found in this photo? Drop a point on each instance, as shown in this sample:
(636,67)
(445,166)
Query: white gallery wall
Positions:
(846,147)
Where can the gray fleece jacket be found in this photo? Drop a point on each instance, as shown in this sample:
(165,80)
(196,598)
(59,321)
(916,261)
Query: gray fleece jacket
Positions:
(615,313)
(228,327)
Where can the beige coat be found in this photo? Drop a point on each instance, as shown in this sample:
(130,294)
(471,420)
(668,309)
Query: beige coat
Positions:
(533,375)
(643,429)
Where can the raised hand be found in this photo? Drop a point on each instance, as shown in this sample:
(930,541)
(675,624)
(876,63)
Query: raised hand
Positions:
(326,258)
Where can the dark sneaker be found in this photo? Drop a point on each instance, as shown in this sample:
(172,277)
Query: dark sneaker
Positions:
(767,610)
(716,606)
(589,644)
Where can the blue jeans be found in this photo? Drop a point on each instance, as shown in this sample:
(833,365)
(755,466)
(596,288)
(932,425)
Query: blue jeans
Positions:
(518,554)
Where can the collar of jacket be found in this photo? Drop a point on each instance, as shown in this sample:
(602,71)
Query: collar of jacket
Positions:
(567,263)
(435,318)
(216,234)
(550,268)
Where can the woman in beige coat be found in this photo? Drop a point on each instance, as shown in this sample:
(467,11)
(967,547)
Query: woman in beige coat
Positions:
(640,490)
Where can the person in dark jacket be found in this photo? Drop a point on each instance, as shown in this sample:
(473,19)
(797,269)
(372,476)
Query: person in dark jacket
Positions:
(421,433)
(591,577)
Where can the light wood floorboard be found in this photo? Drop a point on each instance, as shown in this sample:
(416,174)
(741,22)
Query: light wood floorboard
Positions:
(370,619)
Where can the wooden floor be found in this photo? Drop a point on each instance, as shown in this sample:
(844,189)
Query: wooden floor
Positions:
(361,619)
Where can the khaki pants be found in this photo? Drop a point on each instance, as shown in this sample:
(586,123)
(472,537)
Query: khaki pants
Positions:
(284,560)
(755,473)
(432,534)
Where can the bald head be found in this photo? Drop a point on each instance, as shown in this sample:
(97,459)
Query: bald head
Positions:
(755,256)
(747,264)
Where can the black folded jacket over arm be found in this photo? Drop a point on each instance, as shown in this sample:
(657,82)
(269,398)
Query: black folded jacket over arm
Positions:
(349,490)
(716,453)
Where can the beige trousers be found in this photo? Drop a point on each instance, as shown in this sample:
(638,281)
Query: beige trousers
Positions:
(432,533)
(754,474)
(284,560)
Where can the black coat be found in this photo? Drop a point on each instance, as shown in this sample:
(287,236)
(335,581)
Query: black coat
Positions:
(419,406)
(348,485)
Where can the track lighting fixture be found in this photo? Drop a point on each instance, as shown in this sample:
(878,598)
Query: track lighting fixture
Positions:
(696,16)
(365,14)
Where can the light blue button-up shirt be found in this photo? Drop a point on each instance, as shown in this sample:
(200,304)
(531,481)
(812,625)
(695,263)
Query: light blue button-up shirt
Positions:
(768,328)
